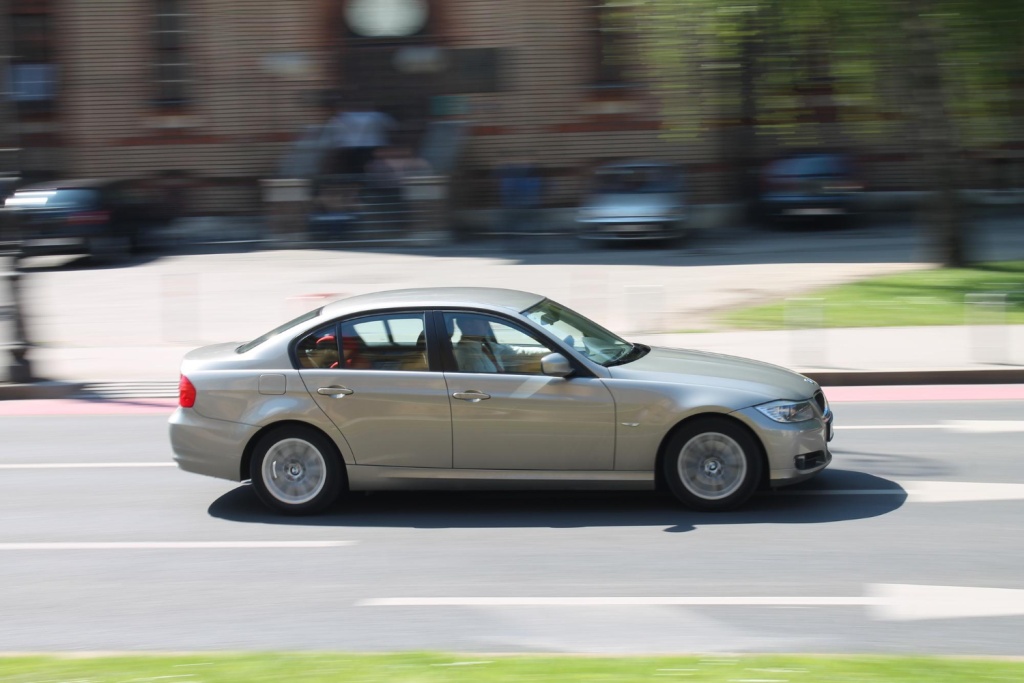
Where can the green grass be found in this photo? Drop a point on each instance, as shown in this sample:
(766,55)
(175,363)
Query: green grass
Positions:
(428,668)
(928,297)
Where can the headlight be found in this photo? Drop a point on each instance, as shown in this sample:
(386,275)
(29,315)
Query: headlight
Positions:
(788,411)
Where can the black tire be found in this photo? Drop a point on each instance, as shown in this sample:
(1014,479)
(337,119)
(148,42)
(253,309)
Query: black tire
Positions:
(712,464)
(109,249)
(297,470)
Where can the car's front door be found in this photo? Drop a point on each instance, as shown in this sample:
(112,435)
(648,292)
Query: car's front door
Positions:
(508,415)
(372,377)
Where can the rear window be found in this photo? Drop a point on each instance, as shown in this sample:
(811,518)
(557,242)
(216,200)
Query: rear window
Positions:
(249,346)
(811,166)
(53,199)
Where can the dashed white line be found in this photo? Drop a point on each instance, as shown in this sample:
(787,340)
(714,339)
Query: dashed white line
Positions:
(765,601)
(174,545)
(79,465)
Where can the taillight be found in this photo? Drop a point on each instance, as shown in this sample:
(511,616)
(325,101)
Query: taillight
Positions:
(89,218)
(186,393)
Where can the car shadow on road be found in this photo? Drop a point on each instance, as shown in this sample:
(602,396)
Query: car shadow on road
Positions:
(836,495)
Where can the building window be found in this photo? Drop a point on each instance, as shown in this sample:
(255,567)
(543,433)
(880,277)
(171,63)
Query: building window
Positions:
(33,74)
(614,27)
(170,38)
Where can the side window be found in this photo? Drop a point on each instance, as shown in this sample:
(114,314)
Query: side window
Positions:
(319,349)
(396,341)
(483,343)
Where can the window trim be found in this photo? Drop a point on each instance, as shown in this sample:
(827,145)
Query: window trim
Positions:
(433,359)
(447,353)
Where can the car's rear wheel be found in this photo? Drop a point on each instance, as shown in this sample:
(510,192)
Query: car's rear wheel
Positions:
(296,470)
(712,464)
(110,248)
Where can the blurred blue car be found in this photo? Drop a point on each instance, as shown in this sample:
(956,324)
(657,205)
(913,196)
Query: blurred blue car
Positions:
(811,187)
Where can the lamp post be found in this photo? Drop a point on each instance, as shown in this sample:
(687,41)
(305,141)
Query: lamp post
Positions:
(13,338)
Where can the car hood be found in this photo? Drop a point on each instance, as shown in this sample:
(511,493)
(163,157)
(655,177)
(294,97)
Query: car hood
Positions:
(633,203)
(762,380)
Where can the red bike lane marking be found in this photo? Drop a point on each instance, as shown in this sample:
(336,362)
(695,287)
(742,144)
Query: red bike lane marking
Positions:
(70,406)
(943,392)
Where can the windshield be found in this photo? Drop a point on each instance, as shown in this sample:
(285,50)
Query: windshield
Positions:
(249,346)
(637,180)
(587,337)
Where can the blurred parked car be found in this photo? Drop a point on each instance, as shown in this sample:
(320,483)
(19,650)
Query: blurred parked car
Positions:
(640,200)
(462,388)
(105,219)
(810,187)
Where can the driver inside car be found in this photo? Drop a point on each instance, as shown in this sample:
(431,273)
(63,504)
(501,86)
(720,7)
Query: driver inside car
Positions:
(478,351)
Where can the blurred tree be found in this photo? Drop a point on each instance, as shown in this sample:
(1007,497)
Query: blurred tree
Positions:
(936,79)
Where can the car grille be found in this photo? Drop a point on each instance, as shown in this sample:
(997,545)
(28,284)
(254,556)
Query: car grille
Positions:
(819,398)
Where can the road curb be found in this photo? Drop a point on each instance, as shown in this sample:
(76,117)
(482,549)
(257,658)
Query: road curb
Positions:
(863,378)
(38,390)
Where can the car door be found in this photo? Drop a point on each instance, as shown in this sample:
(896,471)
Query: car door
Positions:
(373,378)
(507,414)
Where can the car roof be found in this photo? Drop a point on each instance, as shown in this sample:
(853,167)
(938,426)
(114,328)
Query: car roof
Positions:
(435,297)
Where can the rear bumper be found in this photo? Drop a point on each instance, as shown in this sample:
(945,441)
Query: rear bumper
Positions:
(42,246)
(809,207)
(206,446)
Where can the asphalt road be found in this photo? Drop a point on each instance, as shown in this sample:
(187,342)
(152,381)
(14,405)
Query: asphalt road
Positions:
(911,542)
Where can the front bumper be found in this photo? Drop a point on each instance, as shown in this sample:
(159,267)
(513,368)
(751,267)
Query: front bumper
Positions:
(631,229)
(795,451)
(206,446)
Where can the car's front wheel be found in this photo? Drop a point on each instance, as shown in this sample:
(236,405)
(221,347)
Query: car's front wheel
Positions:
(296,470)
(712,464)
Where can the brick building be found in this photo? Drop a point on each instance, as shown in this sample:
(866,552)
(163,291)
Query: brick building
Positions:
(209,94)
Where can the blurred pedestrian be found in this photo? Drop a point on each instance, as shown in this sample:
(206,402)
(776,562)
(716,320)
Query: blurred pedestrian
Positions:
(362,131)
(521,190)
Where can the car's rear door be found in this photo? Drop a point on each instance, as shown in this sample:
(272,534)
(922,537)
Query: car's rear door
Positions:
(373,377)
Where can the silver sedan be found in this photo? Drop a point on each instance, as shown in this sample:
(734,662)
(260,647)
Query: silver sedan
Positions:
(459,388)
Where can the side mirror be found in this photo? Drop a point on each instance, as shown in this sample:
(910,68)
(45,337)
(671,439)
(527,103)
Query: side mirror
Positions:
(555,365)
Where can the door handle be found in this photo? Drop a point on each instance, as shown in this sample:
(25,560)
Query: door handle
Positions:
(471,396)
(335,391)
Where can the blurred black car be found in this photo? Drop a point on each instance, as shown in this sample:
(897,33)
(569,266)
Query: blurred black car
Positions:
(104,219)
(810,188)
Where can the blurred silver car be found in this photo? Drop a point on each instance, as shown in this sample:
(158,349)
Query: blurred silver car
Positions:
(637,200)
(463,388)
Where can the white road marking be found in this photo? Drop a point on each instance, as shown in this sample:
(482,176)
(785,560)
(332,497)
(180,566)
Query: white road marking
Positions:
(927,491)
(884,602)
(174,545)
(961,426)
(900,602)
(79,465)
(985,426)
(847,428)
(765,601)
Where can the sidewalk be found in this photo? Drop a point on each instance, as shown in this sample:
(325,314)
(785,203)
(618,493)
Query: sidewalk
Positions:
(133,324)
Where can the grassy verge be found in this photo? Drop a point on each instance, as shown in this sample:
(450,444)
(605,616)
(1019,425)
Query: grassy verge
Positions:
(929,297)
(427,668)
